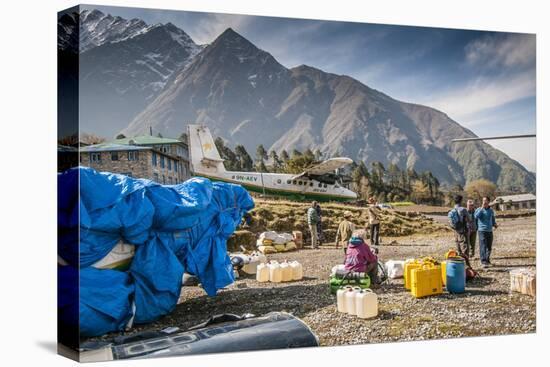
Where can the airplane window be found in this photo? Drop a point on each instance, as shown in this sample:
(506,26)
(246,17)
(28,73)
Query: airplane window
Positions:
(288,182)
(294,182)
(325,186)
(320,184)
(311,184)
(279,181)
(300,183)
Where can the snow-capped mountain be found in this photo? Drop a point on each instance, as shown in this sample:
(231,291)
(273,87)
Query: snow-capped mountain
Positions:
(123,65)
(98,28)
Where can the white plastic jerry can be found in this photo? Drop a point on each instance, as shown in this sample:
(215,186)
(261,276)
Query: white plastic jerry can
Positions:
(297,270)
(366,304)
(350,300)
(286,272)
(262,273)
(275,273)
(340,298)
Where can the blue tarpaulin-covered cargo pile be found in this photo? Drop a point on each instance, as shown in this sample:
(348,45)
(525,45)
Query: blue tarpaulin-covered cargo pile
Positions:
(176,229)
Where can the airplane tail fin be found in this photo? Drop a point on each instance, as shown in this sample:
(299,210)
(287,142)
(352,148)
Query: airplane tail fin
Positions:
(205,157)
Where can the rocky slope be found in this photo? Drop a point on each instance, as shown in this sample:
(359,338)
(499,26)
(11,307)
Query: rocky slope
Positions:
(244,95)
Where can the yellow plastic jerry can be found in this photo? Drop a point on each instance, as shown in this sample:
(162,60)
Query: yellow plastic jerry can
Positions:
(426,281)
(409,266)
(443,272)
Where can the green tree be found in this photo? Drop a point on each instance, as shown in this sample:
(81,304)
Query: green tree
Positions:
(231,162)
(477,189)
(284,156)
(261,157)
(277,164)
(245,161)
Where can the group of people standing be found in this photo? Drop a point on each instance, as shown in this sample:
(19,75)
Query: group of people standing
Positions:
(346,227)
(470,223)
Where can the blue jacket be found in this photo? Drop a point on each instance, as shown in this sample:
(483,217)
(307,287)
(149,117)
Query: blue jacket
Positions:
(485,219)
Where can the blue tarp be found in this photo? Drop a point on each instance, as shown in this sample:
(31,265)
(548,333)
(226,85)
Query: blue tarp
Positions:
(175,228)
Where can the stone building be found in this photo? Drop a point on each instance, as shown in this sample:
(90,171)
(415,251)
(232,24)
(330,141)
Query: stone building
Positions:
(162,160)
(512,202)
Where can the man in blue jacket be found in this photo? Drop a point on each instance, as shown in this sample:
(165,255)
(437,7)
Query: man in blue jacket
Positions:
(485,221)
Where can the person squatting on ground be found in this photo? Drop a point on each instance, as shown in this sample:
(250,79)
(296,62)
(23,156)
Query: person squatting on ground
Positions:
(312,220)
(374,222)
(460,221)
(485,221)
(472,228)
(320,234)
(345,231)
(360,259)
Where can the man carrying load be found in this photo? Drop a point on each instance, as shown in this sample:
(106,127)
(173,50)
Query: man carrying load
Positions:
(312,220)
(345,231)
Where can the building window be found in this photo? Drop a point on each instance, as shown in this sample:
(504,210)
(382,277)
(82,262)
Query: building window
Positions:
(169,164)
(161,161)
(114,156)
(165,148)
(154,158)
(176,166)
(95,157)
(163,180)
(156,177)
(133,155)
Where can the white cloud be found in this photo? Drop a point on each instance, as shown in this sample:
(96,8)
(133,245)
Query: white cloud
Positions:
(502,50)
(484,93)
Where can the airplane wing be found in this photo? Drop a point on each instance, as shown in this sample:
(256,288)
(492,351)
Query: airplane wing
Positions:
(325,167)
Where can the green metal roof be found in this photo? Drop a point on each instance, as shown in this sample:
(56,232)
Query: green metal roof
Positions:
(146,140)
(110,147)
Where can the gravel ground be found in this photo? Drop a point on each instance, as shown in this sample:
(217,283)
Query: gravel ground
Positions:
(487,307)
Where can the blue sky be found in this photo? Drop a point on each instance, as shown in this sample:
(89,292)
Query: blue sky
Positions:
(484,80)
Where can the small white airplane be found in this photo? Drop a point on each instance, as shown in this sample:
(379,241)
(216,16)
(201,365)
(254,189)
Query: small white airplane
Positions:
(316,183)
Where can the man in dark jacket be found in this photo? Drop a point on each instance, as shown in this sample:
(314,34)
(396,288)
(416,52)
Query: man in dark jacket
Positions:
(472,228)
(460,221)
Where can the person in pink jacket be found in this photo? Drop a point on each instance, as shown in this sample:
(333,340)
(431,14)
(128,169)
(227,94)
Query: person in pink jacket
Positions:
(360,258)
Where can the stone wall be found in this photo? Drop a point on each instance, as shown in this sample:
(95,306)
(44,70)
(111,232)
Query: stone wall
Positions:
(141,168)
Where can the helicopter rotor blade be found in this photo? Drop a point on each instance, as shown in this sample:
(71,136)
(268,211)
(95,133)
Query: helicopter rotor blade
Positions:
(494,138)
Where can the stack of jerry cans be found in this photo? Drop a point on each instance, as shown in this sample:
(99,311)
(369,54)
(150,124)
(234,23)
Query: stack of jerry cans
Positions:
(426,280)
